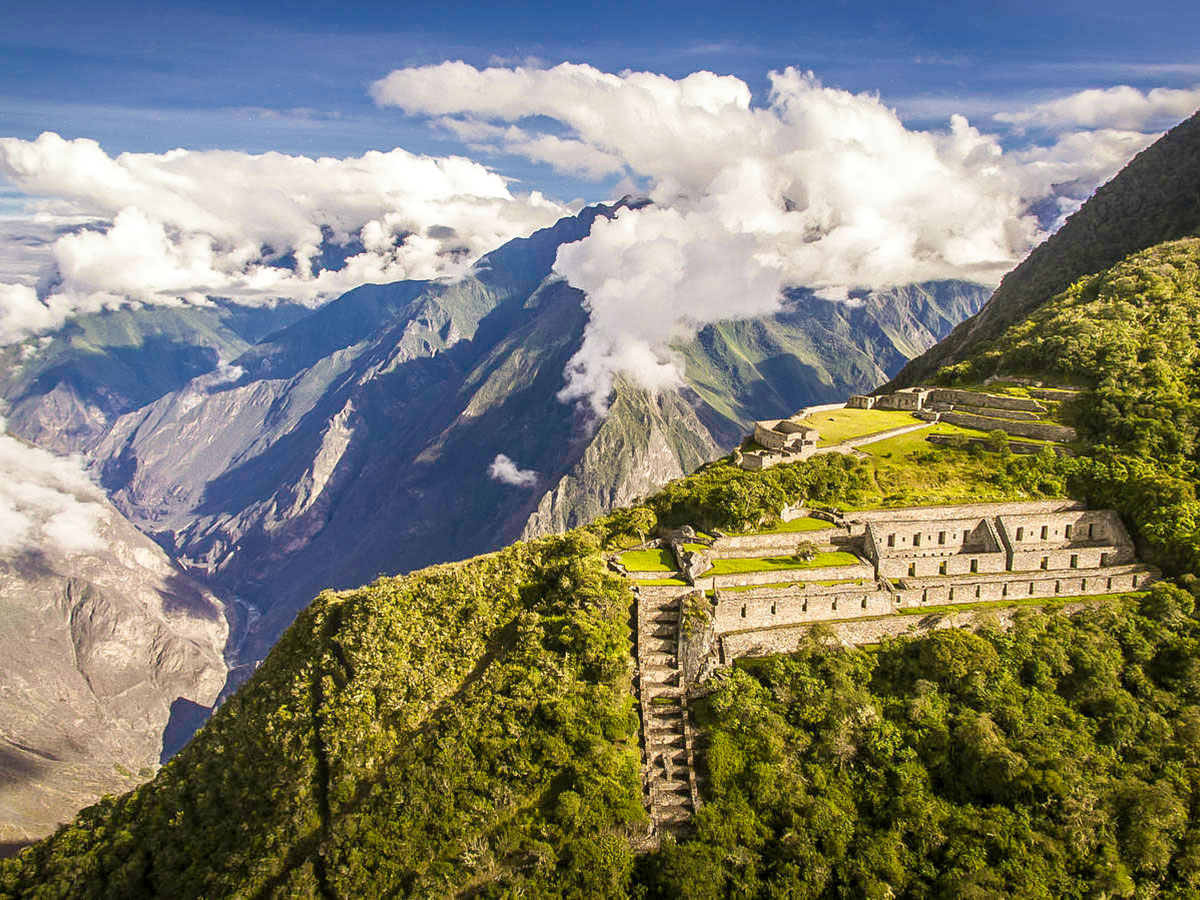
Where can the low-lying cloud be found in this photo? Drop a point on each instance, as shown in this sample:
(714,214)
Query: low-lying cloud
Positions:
(184,226)
(819,188)
(506,471)
(47,502)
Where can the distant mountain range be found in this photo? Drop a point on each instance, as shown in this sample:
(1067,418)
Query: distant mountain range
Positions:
(356,439)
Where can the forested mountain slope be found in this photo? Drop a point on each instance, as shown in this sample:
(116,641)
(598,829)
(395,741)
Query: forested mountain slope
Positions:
(1155,198)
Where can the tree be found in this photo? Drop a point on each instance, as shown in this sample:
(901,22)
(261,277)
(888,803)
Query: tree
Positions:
(806,551)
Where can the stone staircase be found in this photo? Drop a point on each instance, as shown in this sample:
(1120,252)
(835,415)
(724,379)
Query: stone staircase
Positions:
(667,760)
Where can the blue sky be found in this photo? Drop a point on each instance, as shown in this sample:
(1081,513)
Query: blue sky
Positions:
(293,76)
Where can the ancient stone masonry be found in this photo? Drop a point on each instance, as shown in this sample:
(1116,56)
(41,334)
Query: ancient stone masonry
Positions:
(883,572)
(791,439)
(668,768)
(903,560)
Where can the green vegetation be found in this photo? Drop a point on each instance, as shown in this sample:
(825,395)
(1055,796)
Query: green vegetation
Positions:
(724,496)
(773,563)
(840,425)
(657,560)
(467,728)
(1060,759)
(1155,198)
(804,523)
(1133,332)
(662,582)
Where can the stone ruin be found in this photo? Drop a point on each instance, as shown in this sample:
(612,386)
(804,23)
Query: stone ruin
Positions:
(907,560)
(791,439)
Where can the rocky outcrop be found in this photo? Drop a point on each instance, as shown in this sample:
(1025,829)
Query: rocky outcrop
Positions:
(99,651)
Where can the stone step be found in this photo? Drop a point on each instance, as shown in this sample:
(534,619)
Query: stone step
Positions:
(665,713)
(671,738)
(658,678)
(664,631)
(671,796)
(673,787)
(658,644)
(674,816)
(663,616)
(658,693)
(651,659)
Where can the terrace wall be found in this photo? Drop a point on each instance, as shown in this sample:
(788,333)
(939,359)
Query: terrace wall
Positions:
(965,511)
(823,573)
(736,611)
(916,592)
(1041,431)
(743,546)
(958,563)
(872,631)
(974,398)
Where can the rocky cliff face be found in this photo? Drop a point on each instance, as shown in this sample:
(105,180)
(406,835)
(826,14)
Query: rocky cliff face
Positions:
(63,390)
(102,639)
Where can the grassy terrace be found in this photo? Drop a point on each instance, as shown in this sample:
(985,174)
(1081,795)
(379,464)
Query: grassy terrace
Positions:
(910,471)
(648,561)
(840,425)
(661,582)
(773,563)
(805,523)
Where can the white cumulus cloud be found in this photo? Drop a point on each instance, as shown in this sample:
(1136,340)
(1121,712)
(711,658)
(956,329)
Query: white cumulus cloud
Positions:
(183,226)
(46,501)
(819,188)
(506,471)
(1120,107)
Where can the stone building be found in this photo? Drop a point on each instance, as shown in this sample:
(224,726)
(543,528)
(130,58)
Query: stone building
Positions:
(934,547)
(913,558)
(908,399)
(783,440)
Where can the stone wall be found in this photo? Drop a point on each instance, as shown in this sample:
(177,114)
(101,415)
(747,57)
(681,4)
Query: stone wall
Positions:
(768,437)
(915,592)
(936,536)
(736,610)
(874,630)
(906,400)
(964,511)
(994,401)
(1089,557)
(1041,431)
(1036,530)
(780,576)
(744,546)
(1015,415)
(1018,447)
(947,565)
(1049,394)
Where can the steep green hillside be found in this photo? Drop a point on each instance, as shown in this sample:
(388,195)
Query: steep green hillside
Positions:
(1131,334)
(467,727)
(1155,198)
